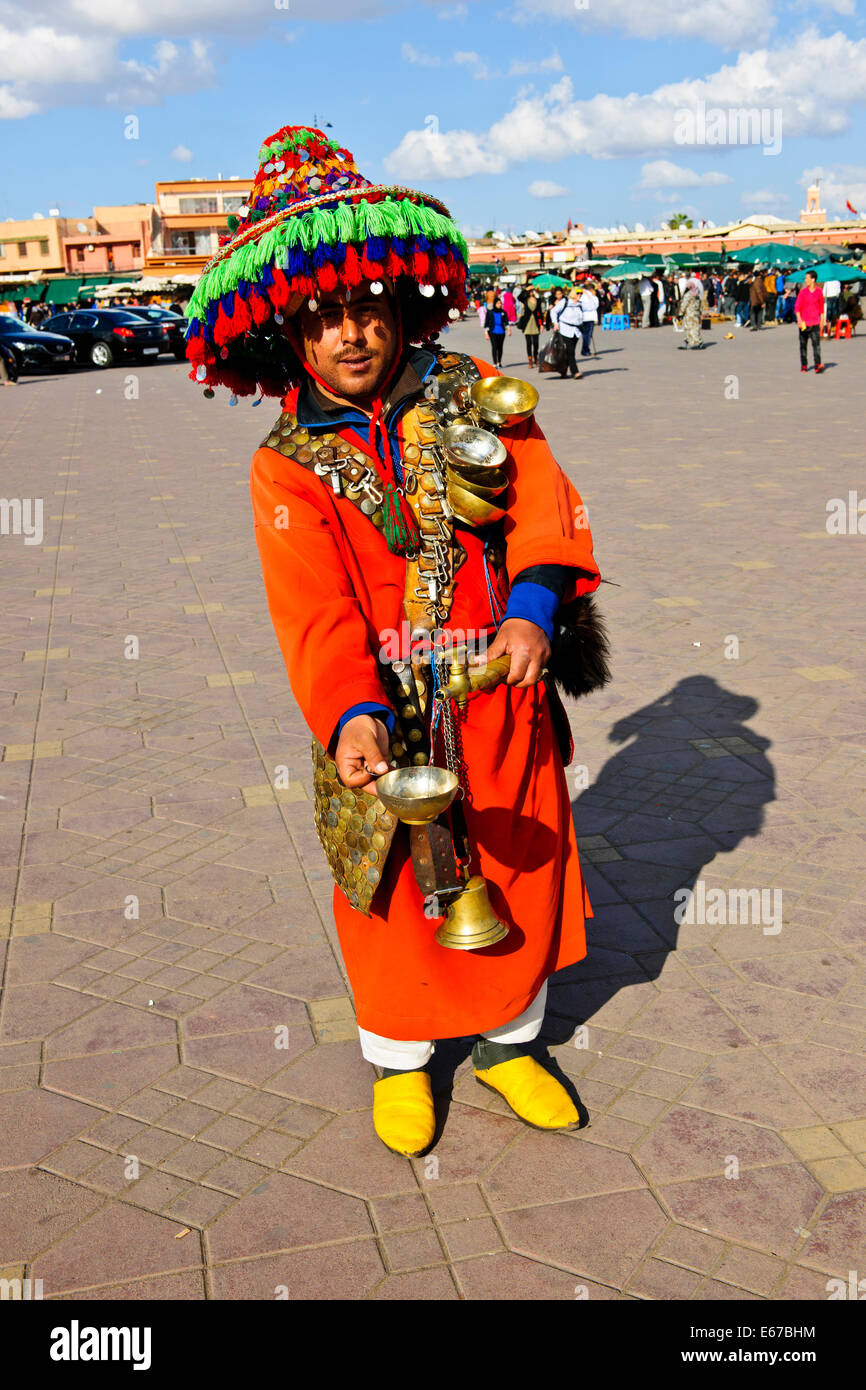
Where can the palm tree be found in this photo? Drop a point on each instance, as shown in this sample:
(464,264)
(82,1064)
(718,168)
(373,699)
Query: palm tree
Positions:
(679,219)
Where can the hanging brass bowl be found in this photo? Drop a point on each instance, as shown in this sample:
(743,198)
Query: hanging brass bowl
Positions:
(467,446)
(503,400)
(493,483)
(479,473)
(475,511)
(417,795)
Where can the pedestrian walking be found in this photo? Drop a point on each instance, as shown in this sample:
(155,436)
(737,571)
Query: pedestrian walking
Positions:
(811,317)
(832,298)
(689,311)
(568,317)
(662,298)
(496,326)
(509,306)
(770,301)
(589,305)
(645,289)
(529,324)
(757,299)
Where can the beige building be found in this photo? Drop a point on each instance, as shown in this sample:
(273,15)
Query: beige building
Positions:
(190,218)
(30,246)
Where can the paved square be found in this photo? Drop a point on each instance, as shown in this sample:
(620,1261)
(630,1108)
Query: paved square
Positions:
(184,1112)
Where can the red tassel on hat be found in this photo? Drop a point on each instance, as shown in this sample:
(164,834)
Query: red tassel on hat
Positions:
(395,265)
(260,307)
(352,271)
(222,329)
(421,267)
(371,270)
(242,319)
(327,278)
(280,291)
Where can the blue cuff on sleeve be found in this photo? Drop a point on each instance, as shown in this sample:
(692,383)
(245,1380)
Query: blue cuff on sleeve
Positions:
(386,715)
(535,604)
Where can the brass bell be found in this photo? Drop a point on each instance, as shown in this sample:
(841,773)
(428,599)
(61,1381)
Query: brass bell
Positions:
(470,921)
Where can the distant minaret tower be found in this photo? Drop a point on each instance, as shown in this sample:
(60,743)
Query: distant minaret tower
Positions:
(814,215)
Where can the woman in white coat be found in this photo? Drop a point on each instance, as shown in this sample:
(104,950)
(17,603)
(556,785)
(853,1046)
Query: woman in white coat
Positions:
(567,318)
(589,309)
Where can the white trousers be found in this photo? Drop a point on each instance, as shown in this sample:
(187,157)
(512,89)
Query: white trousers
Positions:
(408,1056)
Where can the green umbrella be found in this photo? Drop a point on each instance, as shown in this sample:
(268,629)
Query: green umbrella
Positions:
(550,282)
(775,253)
(708,257)
(829,270)
(629,270)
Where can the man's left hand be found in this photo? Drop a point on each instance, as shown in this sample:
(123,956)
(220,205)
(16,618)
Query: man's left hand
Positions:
(528,647)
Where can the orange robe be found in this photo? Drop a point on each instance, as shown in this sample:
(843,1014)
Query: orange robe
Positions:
(333,589)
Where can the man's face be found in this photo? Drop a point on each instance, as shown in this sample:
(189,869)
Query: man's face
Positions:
(350,346)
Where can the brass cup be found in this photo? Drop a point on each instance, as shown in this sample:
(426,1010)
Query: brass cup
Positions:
(475,511)
(487,486)
(467,446)
(417,795)
(503,400)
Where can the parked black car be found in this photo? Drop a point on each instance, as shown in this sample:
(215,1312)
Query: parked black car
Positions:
(175,323)
(106,336)
(30,347)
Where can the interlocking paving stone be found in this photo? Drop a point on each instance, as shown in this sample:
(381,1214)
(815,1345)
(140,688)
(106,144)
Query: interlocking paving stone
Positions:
(155,778)
(603,1237)
(117,1243)
(763,1206)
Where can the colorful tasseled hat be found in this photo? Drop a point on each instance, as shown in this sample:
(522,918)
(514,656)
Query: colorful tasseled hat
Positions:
(312,225)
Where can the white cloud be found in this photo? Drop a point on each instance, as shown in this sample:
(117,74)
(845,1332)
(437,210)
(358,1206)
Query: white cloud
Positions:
(835,6)
(182,154)
(172,69)
(45,67)
(54,55)
(15,108)
(42,55)
(729,23)
(428,154)
(410,54)
(661,173)
(460,12)
(764,199)
(813,82)
(517,68)
(546,188)
(520,68)
(838,182)
(195,16)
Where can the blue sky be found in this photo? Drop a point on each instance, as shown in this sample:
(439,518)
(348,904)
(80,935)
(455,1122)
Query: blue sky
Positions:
(517,114)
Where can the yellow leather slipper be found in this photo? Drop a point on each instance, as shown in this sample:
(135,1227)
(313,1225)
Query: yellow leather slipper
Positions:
(403,1115)
(533,1094)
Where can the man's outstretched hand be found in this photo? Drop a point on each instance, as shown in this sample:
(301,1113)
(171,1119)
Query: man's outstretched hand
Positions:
(362,753)
(528,647)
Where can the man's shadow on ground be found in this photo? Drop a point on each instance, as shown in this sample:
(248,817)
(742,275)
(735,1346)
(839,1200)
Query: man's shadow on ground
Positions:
(690,782)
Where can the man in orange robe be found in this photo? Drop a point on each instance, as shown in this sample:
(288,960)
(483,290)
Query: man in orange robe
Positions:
(341,358)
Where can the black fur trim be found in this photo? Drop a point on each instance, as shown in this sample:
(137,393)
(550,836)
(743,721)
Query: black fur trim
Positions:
(580,650)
